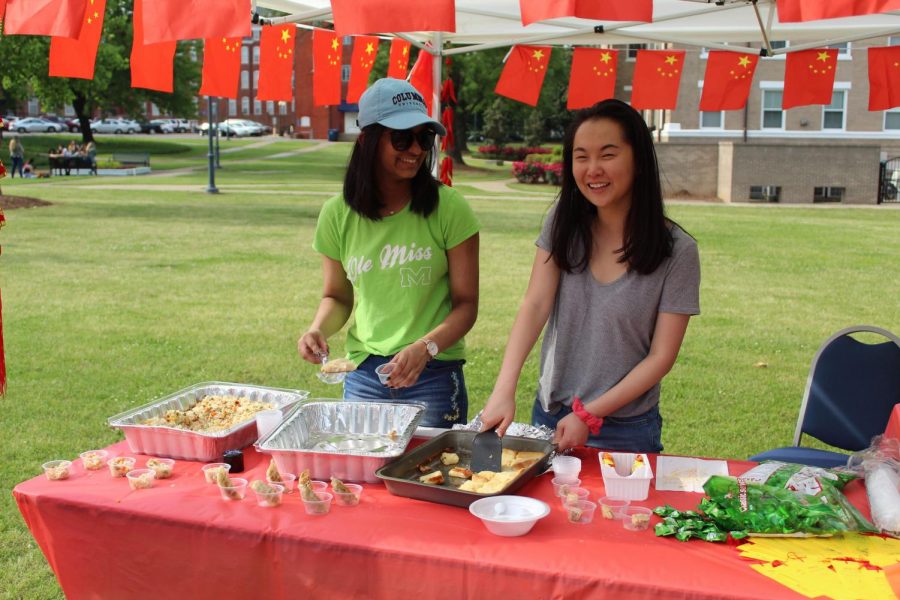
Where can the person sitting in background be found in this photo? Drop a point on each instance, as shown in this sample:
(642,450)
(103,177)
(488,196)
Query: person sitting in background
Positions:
(28,169)
(71,154)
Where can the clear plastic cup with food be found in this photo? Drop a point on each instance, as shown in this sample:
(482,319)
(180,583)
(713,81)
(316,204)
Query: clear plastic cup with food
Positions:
(347,494)
(140,479)
(612,508)
(636,518)
(236,490)
(560,487)
(581,512)
(94,460)
(320,506)
(120,465)
(267,495)
(318,486)
(161,466)
(57,470)
(288,482)
(573,495)
(212,470)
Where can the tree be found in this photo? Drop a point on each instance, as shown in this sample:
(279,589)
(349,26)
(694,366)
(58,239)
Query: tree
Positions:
(26,65)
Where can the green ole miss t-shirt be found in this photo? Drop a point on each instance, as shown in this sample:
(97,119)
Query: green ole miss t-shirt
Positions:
(399,270)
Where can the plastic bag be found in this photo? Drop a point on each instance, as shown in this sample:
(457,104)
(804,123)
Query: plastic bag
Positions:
(880,465)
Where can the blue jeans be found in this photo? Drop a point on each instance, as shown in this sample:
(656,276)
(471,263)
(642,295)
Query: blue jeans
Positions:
(641,433)
(17,164)
(441,388)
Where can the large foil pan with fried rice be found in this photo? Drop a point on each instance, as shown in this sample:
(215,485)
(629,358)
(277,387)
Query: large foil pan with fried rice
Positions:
(347,440)
(174,427)
(403,476)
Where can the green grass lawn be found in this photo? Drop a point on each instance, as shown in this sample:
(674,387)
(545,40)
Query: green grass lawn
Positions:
(113,297)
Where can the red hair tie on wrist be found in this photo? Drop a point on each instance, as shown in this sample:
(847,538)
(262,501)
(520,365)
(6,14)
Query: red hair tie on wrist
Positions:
(594,423)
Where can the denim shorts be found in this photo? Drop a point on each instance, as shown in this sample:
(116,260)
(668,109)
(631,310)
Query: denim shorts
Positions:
(441,388)
(641,433)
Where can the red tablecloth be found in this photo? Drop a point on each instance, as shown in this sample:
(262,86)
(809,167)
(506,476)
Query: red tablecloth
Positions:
(179,538)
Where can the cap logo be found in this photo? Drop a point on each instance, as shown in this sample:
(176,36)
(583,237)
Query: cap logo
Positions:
(405,97)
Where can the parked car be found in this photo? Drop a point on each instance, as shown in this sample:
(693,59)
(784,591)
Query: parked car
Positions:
(158,126)
(255,129)
(73,125)
(34,124)
(8,120)
(230,128)
(115,126)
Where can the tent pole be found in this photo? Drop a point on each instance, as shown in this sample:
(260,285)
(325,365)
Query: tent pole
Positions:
(438,58)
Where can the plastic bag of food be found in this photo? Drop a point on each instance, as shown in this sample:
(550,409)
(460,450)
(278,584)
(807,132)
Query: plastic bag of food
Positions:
(880,465)
(811,481)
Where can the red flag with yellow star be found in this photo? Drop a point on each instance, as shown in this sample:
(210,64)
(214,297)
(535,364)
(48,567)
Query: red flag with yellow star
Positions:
(61,18)
(398,61)
(75,57)
(790,11)
(365,49)
(372,16)
(2,9)
(221,67)
(326,68)
(598,10)
(422,77)
(172,20)
(151,64)
(884,77)
(523,74)
(726,84)
(657,74)
(592,78)
(276,63)
(809,77)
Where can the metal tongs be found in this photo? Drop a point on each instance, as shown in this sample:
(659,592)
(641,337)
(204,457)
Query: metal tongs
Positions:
(330,378)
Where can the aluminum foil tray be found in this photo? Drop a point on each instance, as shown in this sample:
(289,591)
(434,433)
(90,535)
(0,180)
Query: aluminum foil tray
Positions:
(347,440)
(402,475)
(191,445)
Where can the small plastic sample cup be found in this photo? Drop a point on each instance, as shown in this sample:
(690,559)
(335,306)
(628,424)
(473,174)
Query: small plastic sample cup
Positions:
(611,508)
(574,495)
(560,487)
(288,482)
(236,491)
(57,470)
(141,479)
(581,512)
(566,468)
(269,498)
(94,460)
(267,421)
(636,518)
(318,486)
(120,465)
(161,466)
(384,372)
(350,498)
(320,506)
(211,471)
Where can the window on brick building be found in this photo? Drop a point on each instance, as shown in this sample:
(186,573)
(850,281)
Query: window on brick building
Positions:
(892,119)
(348,39)
(712,119)
(245,105)
(834,115)
(256,80)
(765,193)
(245,54)
(257,107)
(828,194)
(282,108)
(894,40)
(232,107)
(270,107)
(772,115)
(256,55)
(245,80)
(256,31)
(843,50)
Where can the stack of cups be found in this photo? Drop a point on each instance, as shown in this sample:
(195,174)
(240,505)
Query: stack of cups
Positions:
(566,469)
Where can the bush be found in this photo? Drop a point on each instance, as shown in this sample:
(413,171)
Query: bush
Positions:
(528,172)
(514,153)
(553,173)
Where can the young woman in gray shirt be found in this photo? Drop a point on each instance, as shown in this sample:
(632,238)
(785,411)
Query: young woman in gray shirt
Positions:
(614,281)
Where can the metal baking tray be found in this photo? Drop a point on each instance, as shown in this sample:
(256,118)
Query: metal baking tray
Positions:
(192,445)
(347,440)
(402,476)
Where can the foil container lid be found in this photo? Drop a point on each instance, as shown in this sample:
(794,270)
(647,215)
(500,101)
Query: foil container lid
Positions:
(535,432)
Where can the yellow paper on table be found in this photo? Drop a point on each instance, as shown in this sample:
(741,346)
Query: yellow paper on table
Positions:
(848,567)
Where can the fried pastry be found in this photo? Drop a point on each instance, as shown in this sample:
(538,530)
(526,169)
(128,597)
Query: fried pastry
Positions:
(272,473)
(339,365)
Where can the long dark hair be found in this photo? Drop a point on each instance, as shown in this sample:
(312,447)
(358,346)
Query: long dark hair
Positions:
(361,191)
(646,241)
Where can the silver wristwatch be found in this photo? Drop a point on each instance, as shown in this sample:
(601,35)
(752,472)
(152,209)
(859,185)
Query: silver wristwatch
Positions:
(430,346)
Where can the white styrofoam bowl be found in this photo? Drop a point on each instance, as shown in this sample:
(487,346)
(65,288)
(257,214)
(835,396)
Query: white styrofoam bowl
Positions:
(509,516)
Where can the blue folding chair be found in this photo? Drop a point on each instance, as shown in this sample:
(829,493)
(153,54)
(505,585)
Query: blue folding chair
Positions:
(850,392)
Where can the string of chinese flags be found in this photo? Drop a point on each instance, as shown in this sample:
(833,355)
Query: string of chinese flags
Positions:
(448,101)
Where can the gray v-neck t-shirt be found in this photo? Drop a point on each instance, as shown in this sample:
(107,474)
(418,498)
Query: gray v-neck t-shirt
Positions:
(598,332)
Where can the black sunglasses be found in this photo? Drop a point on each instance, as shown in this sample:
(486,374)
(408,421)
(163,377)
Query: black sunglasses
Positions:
(402,139)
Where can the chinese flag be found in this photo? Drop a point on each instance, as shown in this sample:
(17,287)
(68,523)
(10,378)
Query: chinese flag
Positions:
(75,57)
(59,18)
(422,77)
(276,63)
(657,74)
(365,48)
(2,9)
(598,10)
(171,20)
(790,11)
(151,64)
(884,78)
(523,73)
(726,84)
(326,68)
(376,16)
(593,77)
(221,67)
(398,61)
(809,77)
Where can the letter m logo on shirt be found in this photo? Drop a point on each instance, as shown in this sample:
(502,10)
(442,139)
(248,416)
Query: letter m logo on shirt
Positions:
(415,277)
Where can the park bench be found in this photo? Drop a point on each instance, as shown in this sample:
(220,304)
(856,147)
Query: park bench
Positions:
(132,158)
(69,163)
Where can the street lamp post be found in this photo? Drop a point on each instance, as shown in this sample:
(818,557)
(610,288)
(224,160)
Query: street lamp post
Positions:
(210,132)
